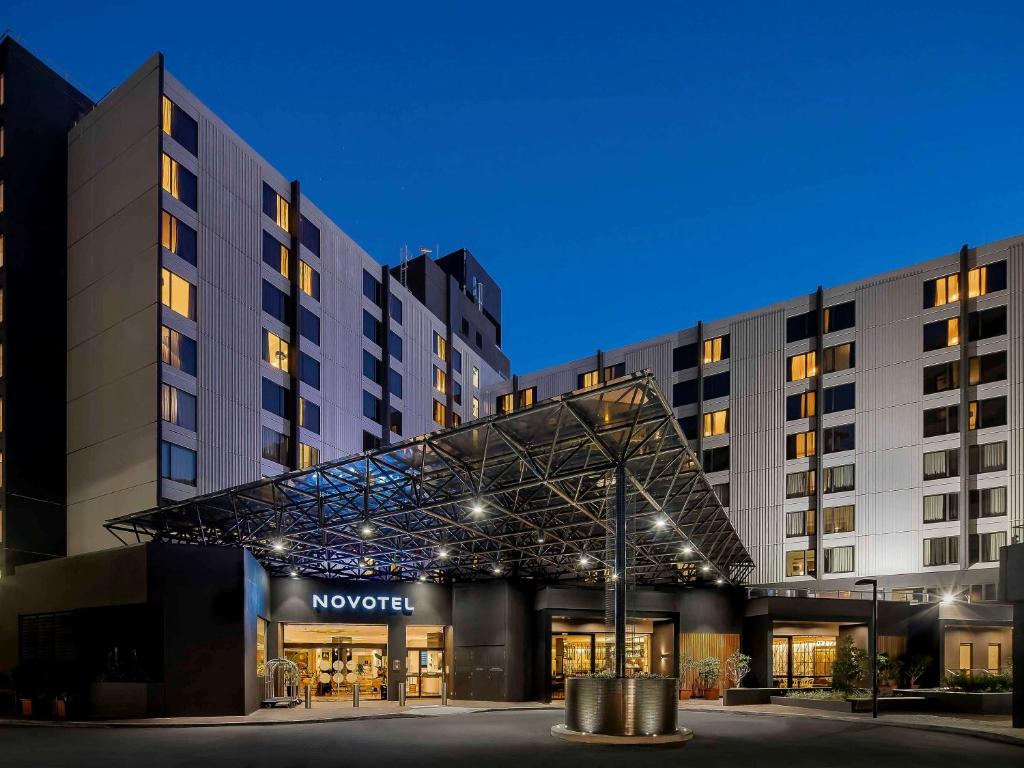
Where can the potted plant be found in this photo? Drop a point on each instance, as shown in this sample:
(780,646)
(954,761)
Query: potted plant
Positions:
(916,666)
(687,667)
(737,666)
(888,674)
(709,670)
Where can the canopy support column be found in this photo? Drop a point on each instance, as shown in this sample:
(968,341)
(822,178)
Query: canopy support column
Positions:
(619,576)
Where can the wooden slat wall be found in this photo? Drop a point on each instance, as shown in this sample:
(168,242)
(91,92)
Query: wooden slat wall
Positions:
(701,644)
(892,646)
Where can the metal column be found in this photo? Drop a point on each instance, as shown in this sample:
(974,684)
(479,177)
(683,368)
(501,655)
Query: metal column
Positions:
(619,576)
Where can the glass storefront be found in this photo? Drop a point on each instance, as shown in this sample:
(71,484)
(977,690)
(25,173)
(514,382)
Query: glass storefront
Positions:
(332,658)
(580,653)
(425,661)
(802,661)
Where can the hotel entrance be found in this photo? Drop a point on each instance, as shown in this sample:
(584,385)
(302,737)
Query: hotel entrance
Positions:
(333,658)
(425,661)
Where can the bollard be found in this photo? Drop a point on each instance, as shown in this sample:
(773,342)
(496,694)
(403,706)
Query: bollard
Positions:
(444,694)
(401,694)
(355,695)
(309,697)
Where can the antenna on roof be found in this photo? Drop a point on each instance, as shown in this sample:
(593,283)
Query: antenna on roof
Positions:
(403,268)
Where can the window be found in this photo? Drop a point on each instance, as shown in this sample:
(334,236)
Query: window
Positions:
(474,410)
(440,380)
(178,238)
(309,325)
(800,523)
(716,386)
(990,412)
(309,415)
(1,195)
(309,456)
(941,290)
(716,349)
(689,426)
(984,547)
(373,329)
(966,654)
(527,397)
(395,383)
(176,350)
(179,182)
(177,407)
(275,446)
(614,371)
(941,421)
(684,392)
(838,358)
(474,377)
(800,562)
(941,334)
(440,413)
(986,323)
(456,419)
(984,369)
(372,368)
(180,126)
(838,438)
(800,445)
(839,317)
(465,327)
(456,361)
(309,370)
(722,491)
(587,379)
(275,254)
(942,550)
(800,484)
(1,249)
(684,357)
(372,289)
(504,403)
(309,280)
(987,502)
(479,340)
(275,206)
(804,326)
(941,507)
(841,398)
(261,645)
(371,407)
(839,559)
(716,459)
(801,405)
(275,399)
(942,464)
(177,463)
(276,303)
(275,351)
(440,346)
(395,345)
(371,442)
(716,423)
(986,279)
(309,235)
(395,421)
(802,366)
(987,457)
(838,479)
(942,377)
(838,519)
(395,308)
(994,658)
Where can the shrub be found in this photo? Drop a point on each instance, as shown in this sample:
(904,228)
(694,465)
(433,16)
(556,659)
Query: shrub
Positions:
(823,694)
(980,681)
(850,665)
(709,669)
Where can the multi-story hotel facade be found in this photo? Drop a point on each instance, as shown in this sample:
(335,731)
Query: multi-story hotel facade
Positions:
(872,429)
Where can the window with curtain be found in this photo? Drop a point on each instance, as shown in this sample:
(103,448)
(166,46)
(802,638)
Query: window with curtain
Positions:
(839,317)
(839,559)
(941,464)
(179,182)
(800,523)
(941,507)
(800,562)
(839,358)
(941,550)
(716,349)
(986,279)
(275,351)
(802,366)
(984,547)
(838,519)
(180,239)
(987,502)
(177,350)
(983,414)
(800,445)
(716,423)
(839,478)
(800,484)
(984,369)
(800,405)
(941,290)
(987,457)
(941,333)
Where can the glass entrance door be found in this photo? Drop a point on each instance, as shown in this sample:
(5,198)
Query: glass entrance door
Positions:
(424,661)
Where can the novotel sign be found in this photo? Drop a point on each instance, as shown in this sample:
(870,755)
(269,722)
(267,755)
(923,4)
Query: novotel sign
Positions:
(369,603)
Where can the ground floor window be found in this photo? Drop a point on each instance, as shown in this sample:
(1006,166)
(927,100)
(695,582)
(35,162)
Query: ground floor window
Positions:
(584,652)
(802,661)
(333,658)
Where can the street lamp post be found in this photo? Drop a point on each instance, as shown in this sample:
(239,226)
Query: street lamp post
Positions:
(874,640)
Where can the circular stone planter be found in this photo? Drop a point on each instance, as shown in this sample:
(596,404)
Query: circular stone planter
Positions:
(618,707)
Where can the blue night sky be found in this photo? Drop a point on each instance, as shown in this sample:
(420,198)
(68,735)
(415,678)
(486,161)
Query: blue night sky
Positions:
(621,169)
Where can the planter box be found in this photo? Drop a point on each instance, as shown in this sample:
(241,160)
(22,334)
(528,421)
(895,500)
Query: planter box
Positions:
(825,704)
(738,697)
(109,701)
(887,704)
(621,706)
(969,703)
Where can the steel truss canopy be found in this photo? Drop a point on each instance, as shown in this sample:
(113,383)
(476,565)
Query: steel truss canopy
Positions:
(528,494)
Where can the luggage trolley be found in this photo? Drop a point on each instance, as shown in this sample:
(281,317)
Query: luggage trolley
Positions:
(281,684)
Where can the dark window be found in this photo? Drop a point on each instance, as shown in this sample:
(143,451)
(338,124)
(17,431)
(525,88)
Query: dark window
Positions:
(942,464)
(941,421)
(801,405)
(270,201)
(984,369)
(395,421)
(994,279)
(177,350)
(990,412)
(275,254)
(684,357)
(465,327)
(372,368)
(984,547)
(716,459)
(309,415)
(181,127)
(722,489)
(309,370)
(716,386)
(395,308)
(395,345)
(986,323)
(987,502)
(177,407)
(276,399)
(373,329)
(275,446)
(177,463)
(371,442)
(941,377)
(371,407)
(178,238)
(841,398)
(941,334)
(987,457)
(188,187)
(479,340)
(839,358)
(684,392)
(456,361)
(276,302)
(395,383)
(372,289)
(689,425)
(614,371)
(309,235)
(838,438)
(457,393)
(839,317)
(803,326)
(309,325)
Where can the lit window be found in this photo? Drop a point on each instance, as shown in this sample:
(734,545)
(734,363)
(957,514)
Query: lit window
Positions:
(180,126)
(803,366)
(177,350)
(941,334)
(838,358)
(456,419)
(800,445)
(1,304)
(474,376)
(839,519)
(800,562)
(177,238)
(505,403)
(309,456)
(801,405)
(3,95)
(588,379)
(941,290)
(1,358)
(275,350)
(716,423)
(309,280)
(179,182)
(440,380)
(982,414)
(994,657)
(440,346)
(527,397)
(475,408)
(986,279)
(716,349)
(439,413)
(1,414)
(178,294)
(177,407)
(275,253)
(276,207)
(800,523)
(839,559)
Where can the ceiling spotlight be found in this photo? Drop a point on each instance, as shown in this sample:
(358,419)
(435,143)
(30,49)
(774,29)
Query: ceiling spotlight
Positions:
(660,522)
(584,560)
(423,577)
(278,545)
(497,570)
(615,577)
(477,508)
(366,530)
(687,550)
(540,537)
(705,568)
(293,573)
(719,581)
(442,553)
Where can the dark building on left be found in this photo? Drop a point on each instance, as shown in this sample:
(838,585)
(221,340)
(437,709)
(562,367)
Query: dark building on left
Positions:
(37,107)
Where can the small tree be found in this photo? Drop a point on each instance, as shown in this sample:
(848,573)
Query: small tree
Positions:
(850,665)
(687,666)
(737,666)
(916,666)
(888,670)
(709,669)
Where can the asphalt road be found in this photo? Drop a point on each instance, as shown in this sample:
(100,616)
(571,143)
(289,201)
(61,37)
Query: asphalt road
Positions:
(500,739)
